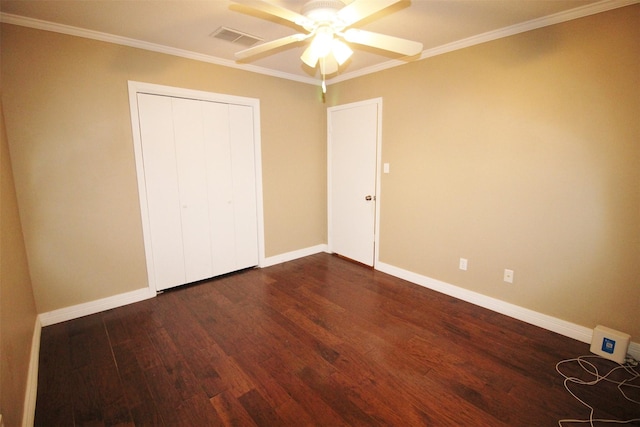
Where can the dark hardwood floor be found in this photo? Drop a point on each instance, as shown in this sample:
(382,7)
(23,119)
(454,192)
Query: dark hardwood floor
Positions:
(316,341)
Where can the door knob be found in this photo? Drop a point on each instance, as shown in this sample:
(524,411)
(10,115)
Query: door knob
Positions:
(367,198)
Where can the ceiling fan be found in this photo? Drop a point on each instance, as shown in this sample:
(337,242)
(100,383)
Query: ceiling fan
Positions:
(329,23)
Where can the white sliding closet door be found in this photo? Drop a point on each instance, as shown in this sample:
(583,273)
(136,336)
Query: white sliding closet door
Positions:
(199,171)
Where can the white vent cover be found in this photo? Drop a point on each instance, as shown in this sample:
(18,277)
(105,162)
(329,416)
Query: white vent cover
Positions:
(235,36)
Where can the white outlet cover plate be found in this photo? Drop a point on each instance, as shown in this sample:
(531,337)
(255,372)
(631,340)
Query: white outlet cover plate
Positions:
(508,276)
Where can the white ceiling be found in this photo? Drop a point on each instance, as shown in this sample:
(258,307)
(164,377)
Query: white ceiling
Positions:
(184,27)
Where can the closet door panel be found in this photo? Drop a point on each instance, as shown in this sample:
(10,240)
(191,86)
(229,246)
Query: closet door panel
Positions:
(200,189)
(191,163)
(161,177)
(220,187)
(244,185)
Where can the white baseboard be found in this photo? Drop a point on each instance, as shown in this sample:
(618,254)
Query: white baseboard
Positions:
(92,307)
(290,256)
(562,327)
(31,392)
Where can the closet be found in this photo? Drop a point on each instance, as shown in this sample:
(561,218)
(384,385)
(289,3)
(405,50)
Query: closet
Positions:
(200,209)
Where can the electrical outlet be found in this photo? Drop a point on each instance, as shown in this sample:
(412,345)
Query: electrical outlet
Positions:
(463,263)
(508,276)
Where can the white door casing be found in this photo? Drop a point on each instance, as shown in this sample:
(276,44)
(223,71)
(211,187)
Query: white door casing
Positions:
(216,202)
(354,146)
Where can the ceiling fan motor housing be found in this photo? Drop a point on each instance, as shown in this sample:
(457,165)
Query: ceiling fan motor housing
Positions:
(323,12)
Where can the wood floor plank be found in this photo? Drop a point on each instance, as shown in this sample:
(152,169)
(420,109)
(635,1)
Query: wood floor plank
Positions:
(367,374)
(318,341)
(231,411)
(292,414)
(286,368)
(341,400)
(259,409)
(195,411)
(53,375)
(135,387)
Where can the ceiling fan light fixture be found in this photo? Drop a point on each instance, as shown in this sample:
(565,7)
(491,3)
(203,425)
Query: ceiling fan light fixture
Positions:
(321,45)
(328,65)
(330,51)
(341,52)
(309,57)
(323,41)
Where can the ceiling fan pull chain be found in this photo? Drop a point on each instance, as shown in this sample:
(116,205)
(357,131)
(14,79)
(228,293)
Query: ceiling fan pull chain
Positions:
(324,84)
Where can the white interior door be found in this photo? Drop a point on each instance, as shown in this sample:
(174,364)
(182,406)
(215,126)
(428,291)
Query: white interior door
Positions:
(353,147)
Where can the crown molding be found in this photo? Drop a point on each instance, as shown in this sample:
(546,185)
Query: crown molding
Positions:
(557,18)
(39,24)
(579,12)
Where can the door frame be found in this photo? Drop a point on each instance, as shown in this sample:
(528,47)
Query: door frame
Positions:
(135,88)
(376,220)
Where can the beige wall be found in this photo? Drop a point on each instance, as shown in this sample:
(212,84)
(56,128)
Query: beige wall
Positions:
(522,153)
(67,118)
(17,306)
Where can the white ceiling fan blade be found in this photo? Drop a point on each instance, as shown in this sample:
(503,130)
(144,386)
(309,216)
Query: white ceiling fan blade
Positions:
(264,47)
(383,41)
(360,9)
(275,10)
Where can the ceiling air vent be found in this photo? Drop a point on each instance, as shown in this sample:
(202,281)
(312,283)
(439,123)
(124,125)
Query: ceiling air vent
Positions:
(235,36)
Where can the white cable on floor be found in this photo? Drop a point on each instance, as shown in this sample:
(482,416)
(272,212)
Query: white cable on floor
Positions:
(629,366)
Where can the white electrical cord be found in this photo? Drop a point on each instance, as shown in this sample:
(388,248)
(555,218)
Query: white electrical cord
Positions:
(629,366)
